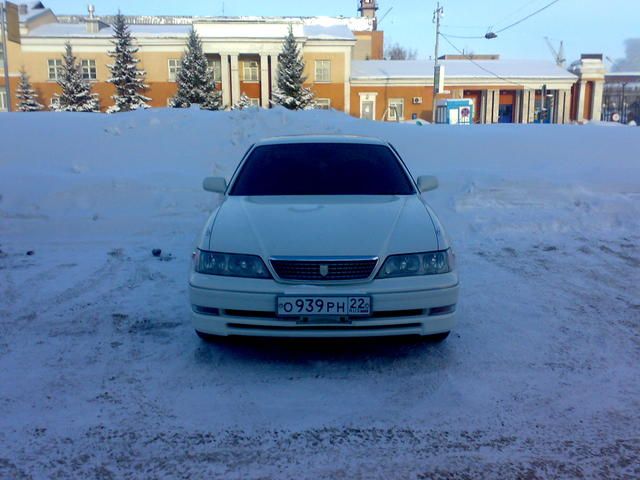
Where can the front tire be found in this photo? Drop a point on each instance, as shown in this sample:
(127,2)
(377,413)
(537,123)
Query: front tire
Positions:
(207,337)
(438,337)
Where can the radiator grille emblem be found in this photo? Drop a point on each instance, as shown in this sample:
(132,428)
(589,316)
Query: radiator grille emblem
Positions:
(324,270)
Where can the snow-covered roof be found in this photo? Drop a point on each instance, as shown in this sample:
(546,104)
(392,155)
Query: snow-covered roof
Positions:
(320,28)
(288,139)
(33,10)
(333,32)
(411,69)
(80,30)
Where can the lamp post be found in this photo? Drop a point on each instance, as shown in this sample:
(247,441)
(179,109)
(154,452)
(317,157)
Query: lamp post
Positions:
(437,15)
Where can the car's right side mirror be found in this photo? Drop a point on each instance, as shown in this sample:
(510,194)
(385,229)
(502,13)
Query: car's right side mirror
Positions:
(215,184)
(427,183)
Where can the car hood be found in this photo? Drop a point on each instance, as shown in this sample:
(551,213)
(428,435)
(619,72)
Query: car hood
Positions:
(323,226)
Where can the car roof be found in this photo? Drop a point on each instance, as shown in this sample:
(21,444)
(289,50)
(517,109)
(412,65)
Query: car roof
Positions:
(288,139)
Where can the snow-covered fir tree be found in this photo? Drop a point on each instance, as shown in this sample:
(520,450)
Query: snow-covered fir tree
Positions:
(125,75)
(26,95)
(76,93)
(242,103)
(195,80)
(290,91)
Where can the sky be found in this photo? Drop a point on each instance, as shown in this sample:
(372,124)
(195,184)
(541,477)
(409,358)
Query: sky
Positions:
(585,26)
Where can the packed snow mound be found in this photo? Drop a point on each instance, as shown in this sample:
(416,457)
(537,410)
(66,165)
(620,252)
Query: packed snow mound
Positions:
(81,165)
(101,374)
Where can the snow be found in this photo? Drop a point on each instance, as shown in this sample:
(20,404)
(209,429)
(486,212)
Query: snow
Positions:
(101,375)
(80,30)
(334,28)
(333,32)
(383,69)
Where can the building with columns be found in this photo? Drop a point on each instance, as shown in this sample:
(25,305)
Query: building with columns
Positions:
(344,66)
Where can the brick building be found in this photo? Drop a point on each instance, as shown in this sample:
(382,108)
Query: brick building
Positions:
(344,65)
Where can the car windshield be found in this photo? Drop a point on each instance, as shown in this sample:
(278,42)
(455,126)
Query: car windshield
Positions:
(322,169)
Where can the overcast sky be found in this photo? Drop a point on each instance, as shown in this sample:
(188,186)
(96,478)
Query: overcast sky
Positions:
(586,26)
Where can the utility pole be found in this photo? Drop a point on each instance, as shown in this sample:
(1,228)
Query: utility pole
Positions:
(437,15)
(5,53)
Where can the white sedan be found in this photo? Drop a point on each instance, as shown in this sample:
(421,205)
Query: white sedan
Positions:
(323,236)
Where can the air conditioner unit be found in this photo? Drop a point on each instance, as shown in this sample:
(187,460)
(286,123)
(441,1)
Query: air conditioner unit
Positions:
(416,100)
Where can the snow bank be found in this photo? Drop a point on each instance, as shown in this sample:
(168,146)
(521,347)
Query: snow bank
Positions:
(100,372)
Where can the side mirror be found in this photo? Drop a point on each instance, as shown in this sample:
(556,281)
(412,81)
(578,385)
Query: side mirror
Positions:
(214,184)
(427,183)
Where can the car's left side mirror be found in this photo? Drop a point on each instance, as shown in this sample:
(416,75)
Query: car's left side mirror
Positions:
(214,184)
(427,183)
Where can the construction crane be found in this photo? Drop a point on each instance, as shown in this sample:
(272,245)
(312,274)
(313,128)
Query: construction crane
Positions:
(558,55)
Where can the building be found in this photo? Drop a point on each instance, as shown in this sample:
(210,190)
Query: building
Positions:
(344,65)
(622,97)
(503,91)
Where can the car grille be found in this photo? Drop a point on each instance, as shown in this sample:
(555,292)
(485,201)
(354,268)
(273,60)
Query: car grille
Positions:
(324,270)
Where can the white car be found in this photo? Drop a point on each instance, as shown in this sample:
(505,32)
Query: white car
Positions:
(323,236)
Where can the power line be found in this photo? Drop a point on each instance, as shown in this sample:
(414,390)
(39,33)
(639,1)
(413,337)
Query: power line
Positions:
(516,12)
(490,32)
(481,67)
(528,16)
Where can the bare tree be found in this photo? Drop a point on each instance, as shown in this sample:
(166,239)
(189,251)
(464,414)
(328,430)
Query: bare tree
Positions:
(631,62)
(398,52)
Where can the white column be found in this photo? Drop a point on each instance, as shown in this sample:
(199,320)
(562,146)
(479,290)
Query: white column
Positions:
(484,98)
(226,86)
(274,73)
(347,84)
(580,111)
(566,113)
(525,106)
(496,106)
(264,81)
(235,80)
(596,108)
(532,106)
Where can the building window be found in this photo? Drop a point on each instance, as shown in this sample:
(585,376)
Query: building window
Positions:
(54,103)
(396,109)
(3,101)
(55,68)
(89,71)
(323,70)
(251,71)
(215,67)
(254,102)
(174,69)
(323,103)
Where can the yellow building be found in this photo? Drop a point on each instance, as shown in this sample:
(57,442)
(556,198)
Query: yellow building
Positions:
(344,66)
(242,52)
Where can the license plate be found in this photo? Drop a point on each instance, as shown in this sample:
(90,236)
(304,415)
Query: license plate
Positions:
(324,306)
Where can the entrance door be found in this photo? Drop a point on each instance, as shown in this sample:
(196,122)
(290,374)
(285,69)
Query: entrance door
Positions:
(505,114)
(368,106)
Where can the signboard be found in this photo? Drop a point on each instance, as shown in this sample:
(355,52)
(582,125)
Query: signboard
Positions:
(13,22)
(438,79)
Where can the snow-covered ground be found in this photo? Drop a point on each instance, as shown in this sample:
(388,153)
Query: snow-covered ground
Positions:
(101,375)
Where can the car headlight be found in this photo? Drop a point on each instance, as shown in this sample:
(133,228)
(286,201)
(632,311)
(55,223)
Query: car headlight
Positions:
(230,264)
(412,264)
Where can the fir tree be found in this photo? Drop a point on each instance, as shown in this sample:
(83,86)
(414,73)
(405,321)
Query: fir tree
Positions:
(195,81)
(290,91)
(76,93)
(27,96)
(125,76)
(242,103)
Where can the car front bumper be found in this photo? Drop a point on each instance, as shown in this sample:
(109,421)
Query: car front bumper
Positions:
(400,306)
